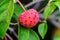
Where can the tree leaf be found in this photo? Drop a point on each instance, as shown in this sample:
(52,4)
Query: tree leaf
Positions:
(56,35)
(17,11)
(15,1)
(56,0)
(2,2)
(26,34)
(48,10)
(3,5)
(57,3)
(6,15)
(42,29)
(57,16)
(23,33)
(33,35)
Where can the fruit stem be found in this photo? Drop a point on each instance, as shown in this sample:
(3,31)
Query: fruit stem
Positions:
(21,5)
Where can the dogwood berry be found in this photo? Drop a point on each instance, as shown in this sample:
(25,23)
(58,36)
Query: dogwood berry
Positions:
(29,18)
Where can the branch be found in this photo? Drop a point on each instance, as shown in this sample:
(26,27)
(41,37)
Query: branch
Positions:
(21,5)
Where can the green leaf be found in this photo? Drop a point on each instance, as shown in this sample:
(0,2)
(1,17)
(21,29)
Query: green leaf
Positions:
(17,10)
(15,1)
(3,6)
(42,29)
(57,16)
(48,10)
(33,35)
(5,16)
(26,34)
(23,33)
(57,3)
(55,37)
(2,2)
(51,1)
(56,0)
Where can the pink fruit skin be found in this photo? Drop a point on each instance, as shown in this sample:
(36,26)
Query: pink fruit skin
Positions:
(29,18)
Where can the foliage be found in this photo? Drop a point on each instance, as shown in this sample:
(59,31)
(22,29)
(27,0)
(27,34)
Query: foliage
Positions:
(8,7)
(6,12)
(42,29)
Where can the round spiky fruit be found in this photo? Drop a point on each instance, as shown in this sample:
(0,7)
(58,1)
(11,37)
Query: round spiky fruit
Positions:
(29,18)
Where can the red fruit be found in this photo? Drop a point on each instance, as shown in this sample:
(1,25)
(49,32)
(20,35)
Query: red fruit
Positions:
(29,18)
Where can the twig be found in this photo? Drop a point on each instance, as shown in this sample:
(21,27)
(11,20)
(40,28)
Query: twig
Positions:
(31,3)
(45,6)
(9,36)
(11,29)
(42,21)
(17,23)
(21,5)
(13,23)
(41,9)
